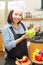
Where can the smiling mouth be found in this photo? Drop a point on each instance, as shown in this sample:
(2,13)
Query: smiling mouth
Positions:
(17,20)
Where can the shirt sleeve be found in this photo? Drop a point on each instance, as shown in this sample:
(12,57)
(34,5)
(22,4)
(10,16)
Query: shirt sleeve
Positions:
(8,42)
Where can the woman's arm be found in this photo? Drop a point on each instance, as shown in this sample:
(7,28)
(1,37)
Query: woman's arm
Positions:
(8,39)
(9,42)
(20,39)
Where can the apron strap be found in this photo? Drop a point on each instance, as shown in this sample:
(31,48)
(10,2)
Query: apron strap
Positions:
(23,25)
(14,31)
(15,36)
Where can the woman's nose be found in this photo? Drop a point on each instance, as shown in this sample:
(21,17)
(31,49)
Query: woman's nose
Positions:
(18,16)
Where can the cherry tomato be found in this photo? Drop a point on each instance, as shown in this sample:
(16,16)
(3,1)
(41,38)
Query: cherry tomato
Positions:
(38,57)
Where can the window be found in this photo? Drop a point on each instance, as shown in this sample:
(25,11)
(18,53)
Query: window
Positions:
(2,13)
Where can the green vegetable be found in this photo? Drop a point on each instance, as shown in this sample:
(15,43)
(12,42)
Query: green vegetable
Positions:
(30,32)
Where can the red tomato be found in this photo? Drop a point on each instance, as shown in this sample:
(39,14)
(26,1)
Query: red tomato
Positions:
(38,57)
(24,59)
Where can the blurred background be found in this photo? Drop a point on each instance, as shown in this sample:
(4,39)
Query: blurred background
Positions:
(34,9)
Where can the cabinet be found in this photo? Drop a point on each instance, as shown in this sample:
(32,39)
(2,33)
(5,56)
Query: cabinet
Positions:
(2,50)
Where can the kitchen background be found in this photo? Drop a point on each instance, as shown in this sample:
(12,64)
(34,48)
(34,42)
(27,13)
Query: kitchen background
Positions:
(33,12)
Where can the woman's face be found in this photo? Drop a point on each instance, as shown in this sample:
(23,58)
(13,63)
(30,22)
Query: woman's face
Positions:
(17,16)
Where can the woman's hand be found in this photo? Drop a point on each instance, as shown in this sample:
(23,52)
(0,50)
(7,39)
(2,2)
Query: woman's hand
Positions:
(22,38)
(25,36)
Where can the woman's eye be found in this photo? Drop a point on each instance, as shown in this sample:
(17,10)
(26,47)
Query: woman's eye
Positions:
(15,14)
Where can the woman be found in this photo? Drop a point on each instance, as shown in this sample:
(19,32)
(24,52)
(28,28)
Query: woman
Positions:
(14,37)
